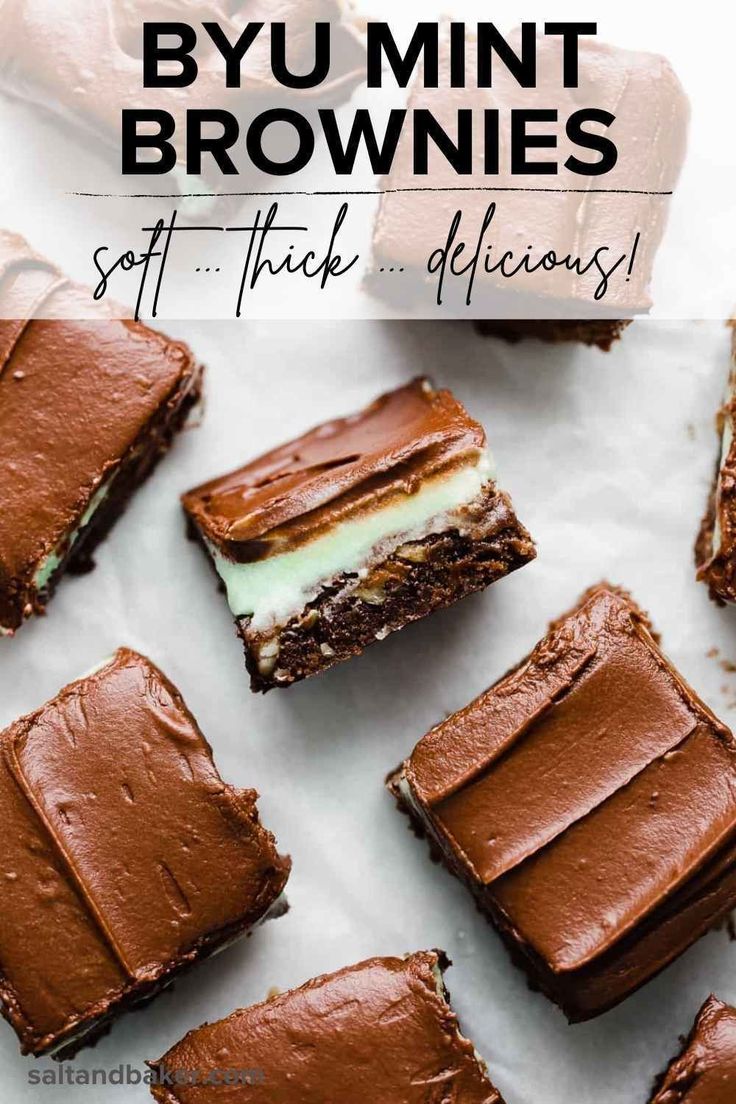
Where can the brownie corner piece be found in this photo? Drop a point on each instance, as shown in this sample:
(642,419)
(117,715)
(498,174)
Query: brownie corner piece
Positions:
(715,548)
(598,878)
(329,1040)
(361,526)
(88,406)
(126,858)
(705,1070)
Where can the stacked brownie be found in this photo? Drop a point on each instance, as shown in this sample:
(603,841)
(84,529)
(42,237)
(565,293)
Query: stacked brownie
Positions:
(361,526)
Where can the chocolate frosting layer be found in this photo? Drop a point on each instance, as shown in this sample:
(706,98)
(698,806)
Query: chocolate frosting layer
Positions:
(571,863)
(288,495)
(377,1033)
(125,856)
(76,397)
(705,1072)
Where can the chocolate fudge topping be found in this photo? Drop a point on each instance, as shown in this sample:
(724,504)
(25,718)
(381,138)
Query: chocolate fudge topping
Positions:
(650,131)
(310,483)
(86,409)
(585,871)
(375,1033)
(715,550)
(705,1072)
(124,856)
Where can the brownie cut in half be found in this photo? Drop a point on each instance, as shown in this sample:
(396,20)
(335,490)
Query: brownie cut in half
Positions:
(588,801)
(715,549)
(87,408)
(124,856)
(352,531)
(381,1032)
(705,1072)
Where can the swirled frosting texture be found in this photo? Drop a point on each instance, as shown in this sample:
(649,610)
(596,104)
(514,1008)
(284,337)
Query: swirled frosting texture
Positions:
(705,1072)
(124,854)
(378,1033)
(589,800)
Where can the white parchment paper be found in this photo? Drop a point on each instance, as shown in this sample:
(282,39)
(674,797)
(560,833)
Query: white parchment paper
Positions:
(609,461)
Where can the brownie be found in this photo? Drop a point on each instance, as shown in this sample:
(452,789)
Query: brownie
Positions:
(588,801)
(125,858)
(566,214)
(715,549)
(601,332)
(381,1032)
(347,534)
(705,1072)
(84,66)
(87,409)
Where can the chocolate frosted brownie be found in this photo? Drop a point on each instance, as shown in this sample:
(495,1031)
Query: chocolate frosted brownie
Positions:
(82,63)
(362,525)
(381,1032)
(715,550)
(124,856)
(536,212)
(87,409)
(588,801)
(705,1072)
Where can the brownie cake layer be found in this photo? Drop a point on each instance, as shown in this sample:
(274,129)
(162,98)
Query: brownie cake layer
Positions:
(126,858)
(418,578)
(601,332)
(595,878)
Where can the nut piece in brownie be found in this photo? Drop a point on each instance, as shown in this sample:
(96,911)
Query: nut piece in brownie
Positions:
(375,1033)
(715,550)
(347,534)
(705,1072)
(588,801)
(124,856)
(87,409)
(533,218)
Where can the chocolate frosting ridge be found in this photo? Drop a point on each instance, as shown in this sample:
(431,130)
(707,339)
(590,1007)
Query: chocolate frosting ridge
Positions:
(597,878)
